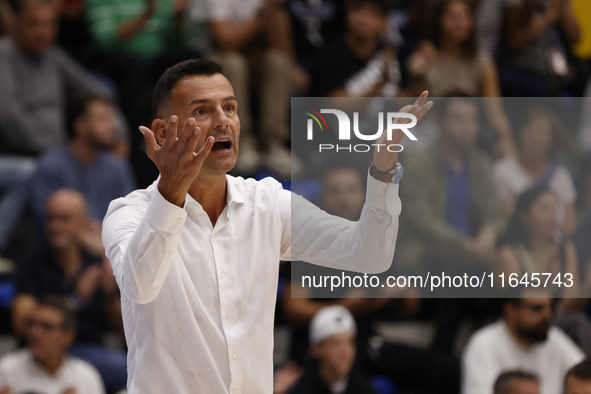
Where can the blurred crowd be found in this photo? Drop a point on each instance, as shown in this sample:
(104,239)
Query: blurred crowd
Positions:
(488,188)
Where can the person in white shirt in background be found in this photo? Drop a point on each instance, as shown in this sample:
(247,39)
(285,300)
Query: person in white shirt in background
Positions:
(517,382)
(45,366)
(524,339)
(196,255)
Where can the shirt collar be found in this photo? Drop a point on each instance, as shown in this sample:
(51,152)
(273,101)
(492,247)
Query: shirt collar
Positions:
(234,195)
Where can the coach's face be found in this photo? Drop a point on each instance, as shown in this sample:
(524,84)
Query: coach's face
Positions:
(210,101)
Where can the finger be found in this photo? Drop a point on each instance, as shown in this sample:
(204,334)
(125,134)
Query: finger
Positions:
(171,132)
(204,151)
(151,144)
(422,98)
(424,109)
(187,131)
(193,140)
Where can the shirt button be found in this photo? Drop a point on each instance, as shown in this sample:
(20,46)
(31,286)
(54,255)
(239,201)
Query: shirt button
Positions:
(179,219)
(169,252)
(227,315)
(222,275)
(234,356)
(235,392)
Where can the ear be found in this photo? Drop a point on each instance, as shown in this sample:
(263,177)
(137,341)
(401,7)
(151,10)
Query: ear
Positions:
(78,126)
(70,337)
(159,130)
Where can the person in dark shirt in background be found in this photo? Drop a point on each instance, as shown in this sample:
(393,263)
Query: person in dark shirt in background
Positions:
(358,64)
(73,264)
(85,163)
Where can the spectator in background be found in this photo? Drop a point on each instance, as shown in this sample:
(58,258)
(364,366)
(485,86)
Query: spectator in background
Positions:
(359,64)
(73,265)
(538,140)
(332,341)
(582,236)
(529,244)
(517,382)
(451,217)
(45,366)
(523,339)
(578,379)
(251,41)
(35,79)
(450,62)
(85,163)
(533,57)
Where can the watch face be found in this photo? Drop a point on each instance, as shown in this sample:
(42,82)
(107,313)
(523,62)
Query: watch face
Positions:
(398,175)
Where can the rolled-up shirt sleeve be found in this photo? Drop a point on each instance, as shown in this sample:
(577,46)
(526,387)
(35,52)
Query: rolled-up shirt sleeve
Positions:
(367,245)
(141,243)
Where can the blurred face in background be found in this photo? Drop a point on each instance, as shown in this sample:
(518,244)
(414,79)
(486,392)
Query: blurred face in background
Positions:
(365,20)
(456,21)
(541,219)
(536,139)
(530,318)
(343,193)
(522,386)
(46,336)
(336,354)
(461,123)
(36,27)
(575,385)
(97,125)
(65,217)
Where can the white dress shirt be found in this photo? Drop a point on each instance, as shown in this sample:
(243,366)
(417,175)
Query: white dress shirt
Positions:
(198,300)
(22,374)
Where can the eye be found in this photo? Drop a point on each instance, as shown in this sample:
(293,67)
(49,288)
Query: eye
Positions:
(229,108)
(200,111)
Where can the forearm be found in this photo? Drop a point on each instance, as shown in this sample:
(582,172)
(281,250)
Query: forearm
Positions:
(234,37)
(128,30)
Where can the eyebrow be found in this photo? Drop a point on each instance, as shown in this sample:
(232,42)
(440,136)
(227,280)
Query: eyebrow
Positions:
(208,101)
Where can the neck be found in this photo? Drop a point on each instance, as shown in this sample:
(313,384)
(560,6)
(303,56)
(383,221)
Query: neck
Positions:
(533,164)
(68,259)
(330,376)
(524,342)
(361,48)
(539,241)
(51,365)
(451,48)
(454,154)
(209,190)
(83,151)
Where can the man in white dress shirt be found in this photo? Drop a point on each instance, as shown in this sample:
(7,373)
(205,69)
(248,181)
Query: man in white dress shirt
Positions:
(196,254)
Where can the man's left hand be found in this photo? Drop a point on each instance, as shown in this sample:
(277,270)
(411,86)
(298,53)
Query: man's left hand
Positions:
(385,160)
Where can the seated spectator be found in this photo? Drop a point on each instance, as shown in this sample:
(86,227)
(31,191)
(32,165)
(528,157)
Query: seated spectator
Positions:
(45,366)
(450,63)
(73,264)
(517,382)
(366,67)
(85,163)
(538,140)
(332,341)
(250,40)
(582,236)
(578,378)
(523,339)
(451,216)
(35,79)
(529,244)
(533,57)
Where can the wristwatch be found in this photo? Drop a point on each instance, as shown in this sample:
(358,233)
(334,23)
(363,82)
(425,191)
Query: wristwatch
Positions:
(393,175)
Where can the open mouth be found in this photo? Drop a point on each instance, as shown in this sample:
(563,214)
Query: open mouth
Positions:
(221,145)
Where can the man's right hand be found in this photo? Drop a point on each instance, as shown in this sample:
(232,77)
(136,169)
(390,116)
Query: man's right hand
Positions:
(176,159)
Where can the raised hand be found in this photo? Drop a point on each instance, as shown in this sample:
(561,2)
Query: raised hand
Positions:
(176,159)
(385,160)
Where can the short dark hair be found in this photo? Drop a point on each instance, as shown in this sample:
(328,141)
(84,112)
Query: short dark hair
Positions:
(581,371)
(78,106)
(470,46)
(61,303)
(19,5)
(383,5)
(179,71)
(504,381)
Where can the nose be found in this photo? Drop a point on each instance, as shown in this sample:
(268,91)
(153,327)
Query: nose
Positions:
(221,120)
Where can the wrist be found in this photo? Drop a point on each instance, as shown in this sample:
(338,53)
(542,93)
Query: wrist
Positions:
(172,194)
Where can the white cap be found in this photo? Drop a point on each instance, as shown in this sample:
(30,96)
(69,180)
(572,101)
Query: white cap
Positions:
(329,321)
